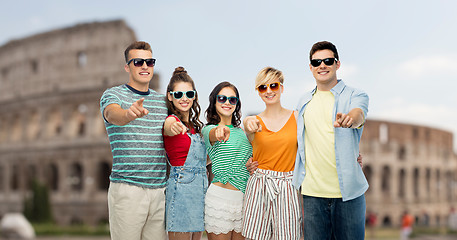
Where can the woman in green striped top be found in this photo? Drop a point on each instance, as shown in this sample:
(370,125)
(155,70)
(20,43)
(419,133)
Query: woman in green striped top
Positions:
(229,150)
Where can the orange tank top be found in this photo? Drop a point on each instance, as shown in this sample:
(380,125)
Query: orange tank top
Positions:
(276,150)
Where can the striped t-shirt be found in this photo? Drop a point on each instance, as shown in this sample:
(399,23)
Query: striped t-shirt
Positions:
(229,159)
(137,147)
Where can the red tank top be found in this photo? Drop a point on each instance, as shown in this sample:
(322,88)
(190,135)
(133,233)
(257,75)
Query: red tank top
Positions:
(177,147)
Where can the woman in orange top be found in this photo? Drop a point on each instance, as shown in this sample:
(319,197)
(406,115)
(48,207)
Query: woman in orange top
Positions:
(271,206)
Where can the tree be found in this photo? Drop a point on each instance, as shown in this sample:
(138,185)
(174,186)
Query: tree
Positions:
(37,207)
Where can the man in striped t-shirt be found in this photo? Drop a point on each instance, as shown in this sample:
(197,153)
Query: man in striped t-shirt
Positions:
(134,116)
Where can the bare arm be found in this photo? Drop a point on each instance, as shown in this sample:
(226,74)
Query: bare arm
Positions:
(173,127)
(251,126)
(219,133)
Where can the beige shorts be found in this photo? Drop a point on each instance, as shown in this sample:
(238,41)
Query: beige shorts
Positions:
(135,212)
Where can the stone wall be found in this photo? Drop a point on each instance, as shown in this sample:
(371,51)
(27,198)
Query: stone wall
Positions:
(409,168)
(51,128)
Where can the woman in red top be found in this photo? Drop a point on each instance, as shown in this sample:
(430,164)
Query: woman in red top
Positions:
(187,183)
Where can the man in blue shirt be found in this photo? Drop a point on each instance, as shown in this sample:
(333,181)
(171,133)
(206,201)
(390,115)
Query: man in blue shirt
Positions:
(329,126)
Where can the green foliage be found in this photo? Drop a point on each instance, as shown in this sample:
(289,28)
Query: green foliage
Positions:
(49,229)
(37,207)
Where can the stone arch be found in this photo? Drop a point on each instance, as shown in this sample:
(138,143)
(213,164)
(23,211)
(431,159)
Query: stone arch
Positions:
(402,184)
(16,129)
(402,153)
(30,176)
(104,171)
(428,182)
(449,185)
(438,183)
(385,180)
(386,221)
(52,177)
(54,123)
(76,177)
(383,133)
(15,177)
(82,59)
(3,130)
(416,186)
(33,126)
(78,127)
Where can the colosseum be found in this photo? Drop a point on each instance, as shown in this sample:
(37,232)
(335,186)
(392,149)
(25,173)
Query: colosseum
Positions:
(51,130)
(50,123)
(409,168)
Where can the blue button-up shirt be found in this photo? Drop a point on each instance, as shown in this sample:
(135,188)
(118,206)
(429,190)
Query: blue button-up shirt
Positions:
(350,175)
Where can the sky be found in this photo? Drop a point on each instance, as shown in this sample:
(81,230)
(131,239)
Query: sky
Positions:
(402,53)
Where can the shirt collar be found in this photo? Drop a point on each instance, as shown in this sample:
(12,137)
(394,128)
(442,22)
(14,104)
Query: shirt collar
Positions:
(338,88)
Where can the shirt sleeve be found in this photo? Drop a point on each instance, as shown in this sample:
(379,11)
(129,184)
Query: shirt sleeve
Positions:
(108,97)
(360,100)
(205,133)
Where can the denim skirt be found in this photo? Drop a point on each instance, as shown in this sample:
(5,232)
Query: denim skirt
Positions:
(185,198)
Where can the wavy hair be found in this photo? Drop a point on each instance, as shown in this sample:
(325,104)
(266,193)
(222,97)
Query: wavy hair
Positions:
(212,117)
(180,75)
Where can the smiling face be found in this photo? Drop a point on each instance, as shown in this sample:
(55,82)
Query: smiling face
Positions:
(139,77)
(271,96)
(183,104)
(325,75)
(225,110)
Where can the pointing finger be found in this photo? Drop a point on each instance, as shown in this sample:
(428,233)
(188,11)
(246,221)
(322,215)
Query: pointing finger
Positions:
(140,102)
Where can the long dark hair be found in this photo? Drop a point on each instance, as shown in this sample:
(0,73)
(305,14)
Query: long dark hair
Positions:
(180,75)
(211,114)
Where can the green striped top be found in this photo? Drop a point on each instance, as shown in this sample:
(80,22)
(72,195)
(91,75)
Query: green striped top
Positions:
(229,159)
(137,147)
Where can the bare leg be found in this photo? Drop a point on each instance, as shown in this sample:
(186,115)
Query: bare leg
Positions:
(237,236)
(197,235)
(179,235)
(213,236)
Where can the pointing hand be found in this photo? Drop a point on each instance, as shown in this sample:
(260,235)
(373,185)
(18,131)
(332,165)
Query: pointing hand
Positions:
(136,110)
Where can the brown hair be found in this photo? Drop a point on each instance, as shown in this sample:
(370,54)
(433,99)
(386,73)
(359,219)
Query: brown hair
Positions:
(212,117)
(136,45)
(180,75)
(322,46)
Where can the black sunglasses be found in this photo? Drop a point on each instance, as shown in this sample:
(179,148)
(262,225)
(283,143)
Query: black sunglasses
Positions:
(222,99)
(180,94)
(327,61)
(138,62)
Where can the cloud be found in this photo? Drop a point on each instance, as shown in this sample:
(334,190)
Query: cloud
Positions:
(430,115)
(427,66)
(36,21)
(348,71)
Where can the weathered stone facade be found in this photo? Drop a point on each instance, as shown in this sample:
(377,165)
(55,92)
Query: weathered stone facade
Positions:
(51,128)
(409,167)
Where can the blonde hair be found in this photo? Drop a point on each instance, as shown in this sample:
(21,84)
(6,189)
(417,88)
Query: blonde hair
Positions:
(268,74)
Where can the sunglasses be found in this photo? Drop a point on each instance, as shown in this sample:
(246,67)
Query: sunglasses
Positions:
(180,94)
(222,99)
(273,86)
(138,62)
(327,61)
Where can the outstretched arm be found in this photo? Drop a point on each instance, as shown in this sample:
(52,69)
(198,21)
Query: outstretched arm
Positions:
(353,119)
(115,114)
